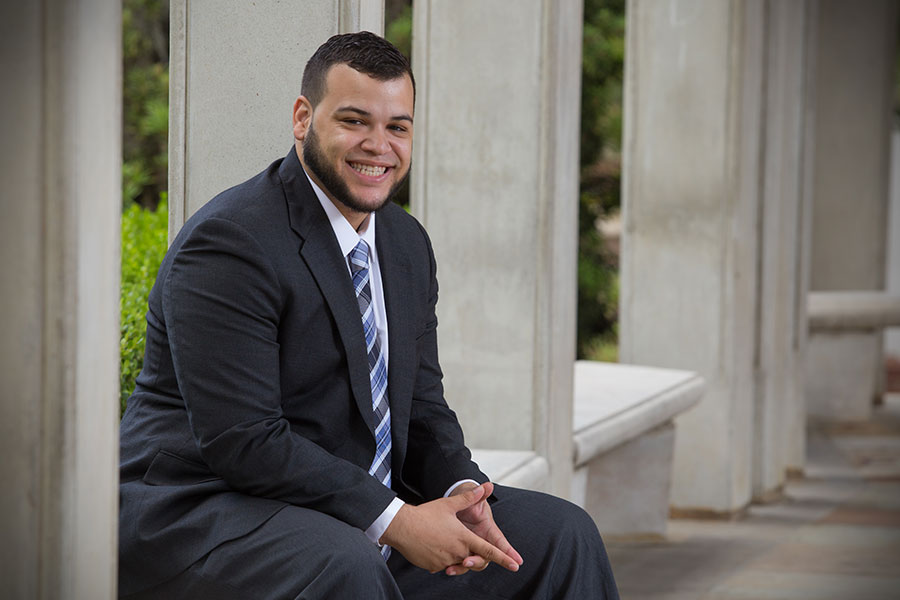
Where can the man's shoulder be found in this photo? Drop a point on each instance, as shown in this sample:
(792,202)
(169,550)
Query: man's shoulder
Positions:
(259,193)
(257,205)
(400,221)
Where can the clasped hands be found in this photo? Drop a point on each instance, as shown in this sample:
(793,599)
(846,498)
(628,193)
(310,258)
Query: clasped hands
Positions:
(454,534)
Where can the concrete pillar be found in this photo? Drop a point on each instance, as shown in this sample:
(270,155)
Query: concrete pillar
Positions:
(795,444)
(855,68)
(234,73)
(495,181)
(61,62)
(694,77)
(780,415)
(892,336)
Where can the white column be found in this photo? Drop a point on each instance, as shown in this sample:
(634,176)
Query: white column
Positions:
(691,199)
(235,70)
(795,445)
(855,69)
(495,181)
(780,416)
(61,64)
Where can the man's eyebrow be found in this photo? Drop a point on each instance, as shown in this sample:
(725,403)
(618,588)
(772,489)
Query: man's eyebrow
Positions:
(365,113)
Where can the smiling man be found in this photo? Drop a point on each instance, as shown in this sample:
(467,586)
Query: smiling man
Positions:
(288,435)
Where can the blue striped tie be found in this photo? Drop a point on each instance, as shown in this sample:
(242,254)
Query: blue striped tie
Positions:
(381,465)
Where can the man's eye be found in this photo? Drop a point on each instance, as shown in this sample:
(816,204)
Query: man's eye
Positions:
(353,121)
(398,128)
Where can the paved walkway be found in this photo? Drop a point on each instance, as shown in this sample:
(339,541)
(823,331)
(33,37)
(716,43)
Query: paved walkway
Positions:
(834,534)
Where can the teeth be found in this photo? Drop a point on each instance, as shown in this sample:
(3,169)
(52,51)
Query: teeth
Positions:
(368,169)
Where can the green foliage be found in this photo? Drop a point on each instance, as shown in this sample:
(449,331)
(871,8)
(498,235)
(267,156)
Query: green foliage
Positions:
(603,59)
(144,235)
(603,55)
(603,347)
(145,48)
(145,91)
(398,28)
(598,281)
(398,31)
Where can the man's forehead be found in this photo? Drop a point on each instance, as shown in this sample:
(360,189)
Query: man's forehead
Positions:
(344,72)
(348,89)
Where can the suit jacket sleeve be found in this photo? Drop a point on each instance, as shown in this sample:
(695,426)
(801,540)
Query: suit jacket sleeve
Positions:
(437,456)
(222,302)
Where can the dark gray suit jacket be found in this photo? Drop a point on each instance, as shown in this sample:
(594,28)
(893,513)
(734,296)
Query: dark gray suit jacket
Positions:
(255,394)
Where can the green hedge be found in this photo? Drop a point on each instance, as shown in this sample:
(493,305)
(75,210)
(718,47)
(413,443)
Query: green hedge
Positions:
(144,237)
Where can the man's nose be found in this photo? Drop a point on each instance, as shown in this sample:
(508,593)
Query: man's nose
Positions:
(376,142)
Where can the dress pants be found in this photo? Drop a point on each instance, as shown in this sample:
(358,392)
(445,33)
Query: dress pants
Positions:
(304,554)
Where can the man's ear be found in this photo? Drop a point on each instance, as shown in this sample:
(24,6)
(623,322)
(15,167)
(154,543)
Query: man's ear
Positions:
(302,117)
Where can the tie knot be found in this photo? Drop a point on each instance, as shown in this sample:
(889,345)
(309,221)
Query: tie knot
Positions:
(359,256)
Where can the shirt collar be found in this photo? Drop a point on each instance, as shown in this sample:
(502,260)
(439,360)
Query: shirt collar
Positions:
(347,237)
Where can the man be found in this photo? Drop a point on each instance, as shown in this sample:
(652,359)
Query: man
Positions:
(288,435)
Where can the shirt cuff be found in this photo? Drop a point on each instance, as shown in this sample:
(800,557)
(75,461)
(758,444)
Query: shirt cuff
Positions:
(457,484)
(380,525)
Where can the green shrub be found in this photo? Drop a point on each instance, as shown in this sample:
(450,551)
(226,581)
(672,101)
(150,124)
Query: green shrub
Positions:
(603,54)
(144,237)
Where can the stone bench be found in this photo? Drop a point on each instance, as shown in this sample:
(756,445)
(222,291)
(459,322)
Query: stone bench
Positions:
(517,468)
(852,311)
(623,439)
(844,355)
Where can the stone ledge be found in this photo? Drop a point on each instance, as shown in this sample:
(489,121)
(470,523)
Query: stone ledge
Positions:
(624,441)
(517,468)
(615,403)
(853,310)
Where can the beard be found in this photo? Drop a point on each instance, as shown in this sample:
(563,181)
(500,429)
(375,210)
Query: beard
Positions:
(317,162)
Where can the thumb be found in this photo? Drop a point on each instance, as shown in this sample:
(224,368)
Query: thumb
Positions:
(467,498)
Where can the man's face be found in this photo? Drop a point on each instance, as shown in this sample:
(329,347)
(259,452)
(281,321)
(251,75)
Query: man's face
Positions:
(357,142)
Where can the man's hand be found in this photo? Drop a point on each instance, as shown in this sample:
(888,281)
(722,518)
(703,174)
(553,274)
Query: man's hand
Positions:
(479,519)
(431,536)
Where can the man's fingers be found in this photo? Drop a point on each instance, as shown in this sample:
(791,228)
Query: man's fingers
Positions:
(467,499)
(488,488)
(491,553)
(499,540)
(469,563)
(476,563)
(454,570)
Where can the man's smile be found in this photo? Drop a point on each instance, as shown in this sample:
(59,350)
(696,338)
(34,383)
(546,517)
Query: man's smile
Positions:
(370,170)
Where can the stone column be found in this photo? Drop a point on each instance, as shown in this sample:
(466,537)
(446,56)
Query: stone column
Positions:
(780,416)
(693,105)
(495,182)
(795,445)
(892,337)
(60,64)
(234,73)
(855,70)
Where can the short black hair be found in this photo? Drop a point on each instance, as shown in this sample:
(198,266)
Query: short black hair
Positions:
(363,51)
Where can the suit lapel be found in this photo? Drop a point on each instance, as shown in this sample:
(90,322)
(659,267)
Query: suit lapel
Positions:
(396,282)
(320,251)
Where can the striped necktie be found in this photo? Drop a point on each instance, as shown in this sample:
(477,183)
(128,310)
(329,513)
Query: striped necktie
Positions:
(381,465)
